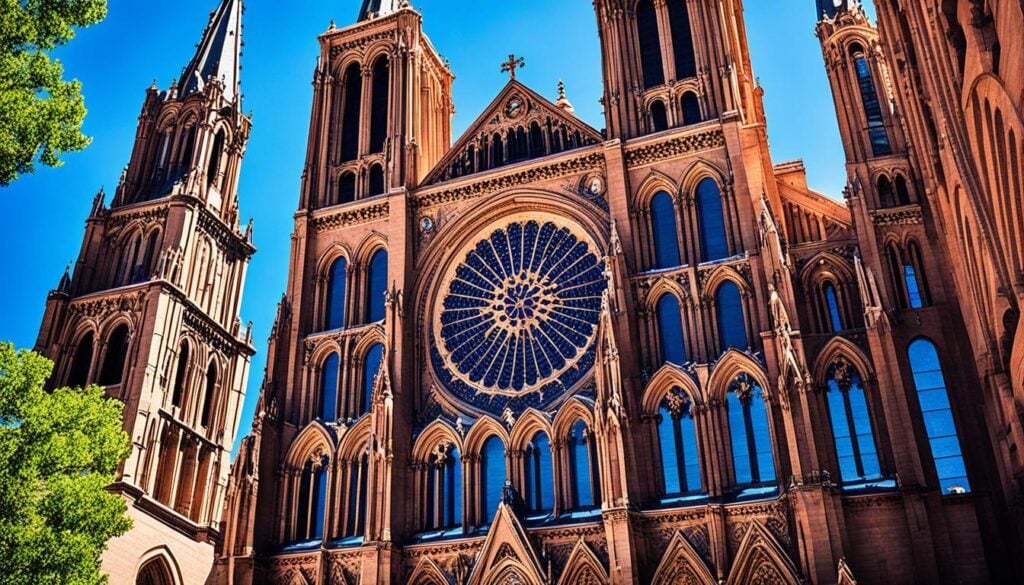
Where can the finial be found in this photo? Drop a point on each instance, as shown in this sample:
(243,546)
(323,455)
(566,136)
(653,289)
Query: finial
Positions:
(331,26)
(512,64)
(561,89)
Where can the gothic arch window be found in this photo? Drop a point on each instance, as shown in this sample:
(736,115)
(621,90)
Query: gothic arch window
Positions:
(672,343)
(713,243)
(78,376)
(337,283)
(355,517)
(375,186)
(444,488)
(522,148)
(379,104)
(539,492)
(209,395)
(180,374)
(732,328)
(353,90)
(328,410)
(659,116)
(312,500)
(189,146)
(902,192)
(896,273)
(213,167)
(943,439)
(497,154)
(691,109)
(682,39)
(650,44)
(133,262)
(870,100)
(371,367)
(147,265)
(116,354)
(536,141)
(749,433)
(677,437)
(347,187)
(852,431)
(835,318)
(492,477)
(155,572)
(376,286)
(584,491)
(886,193)
(914,277)
(664,226)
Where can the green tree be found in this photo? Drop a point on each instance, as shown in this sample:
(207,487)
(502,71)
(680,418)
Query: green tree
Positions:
(58,452)
(40,114)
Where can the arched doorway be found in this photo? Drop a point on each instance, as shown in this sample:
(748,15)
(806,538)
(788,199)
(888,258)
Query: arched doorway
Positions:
(156,571)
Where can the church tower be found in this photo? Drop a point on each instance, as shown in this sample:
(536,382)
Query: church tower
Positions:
(151,312)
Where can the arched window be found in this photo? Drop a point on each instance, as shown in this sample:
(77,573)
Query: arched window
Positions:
(539,491)
(832,302)
(902,193)
(189,147)
(347,187)
(851,424)
(371,367)
(682,39)
(659,117)
(691,109)
(377,284)
(943,440)
(329,388)
(379,104)
(872,106)
(713,243)
(147,263)
(885,192)
(444,488)
(336,285)
(178,391)
(492,478)
(914,277)
(536,141)
(497,152)
(677,436)
(114,361)
(213,168)
(896,273)
(666,238)
(355,518)
(650,44)
(79,373)
(376,182)
(732,328)
(311,501)
(584,489)
(670,330)
(208,395)
(353,90)
(522,149)
(751,439)
(155,572)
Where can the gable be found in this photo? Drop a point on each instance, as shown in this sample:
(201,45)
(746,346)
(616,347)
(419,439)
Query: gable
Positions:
(519,125)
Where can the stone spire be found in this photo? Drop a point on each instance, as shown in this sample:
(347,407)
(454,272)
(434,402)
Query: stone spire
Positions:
(830,8)
(219,53)
(377,8)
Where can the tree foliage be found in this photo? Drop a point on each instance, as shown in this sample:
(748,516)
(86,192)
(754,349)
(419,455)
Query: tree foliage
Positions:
(40,114)
(58,452)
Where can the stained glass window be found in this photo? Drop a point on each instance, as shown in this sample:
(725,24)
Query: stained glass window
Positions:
(677,437)
(682,39)
(851,424)
(329,388)
(713,242)
(539,492)
(670,329)
(492,477)
(732,328)
(913,289)
(336,284)
(377,285)
(312,501)
(371,366)
(872,106)
(835,319)
(666,239)
(650,44)
(358,469)
(753,461)
(582,479)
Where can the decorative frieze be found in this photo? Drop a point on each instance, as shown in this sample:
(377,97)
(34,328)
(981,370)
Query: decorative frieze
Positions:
(349,217)
(674,147)
(907,215)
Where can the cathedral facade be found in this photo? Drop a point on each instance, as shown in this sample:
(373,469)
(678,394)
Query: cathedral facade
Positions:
(544,353)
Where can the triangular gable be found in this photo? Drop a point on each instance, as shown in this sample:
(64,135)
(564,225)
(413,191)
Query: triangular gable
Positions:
(760,559)
(583,566)
(506,548)
(428,573)
(681,563)
(846,574)
(516,107)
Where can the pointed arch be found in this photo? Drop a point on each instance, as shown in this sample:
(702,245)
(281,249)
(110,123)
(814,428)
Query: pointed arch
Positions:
(481,430)
(158,567)
(667,377)
(682,561)
(353,440)
(427,573)
(732,364)
(437,432)
(655,182)
(115,354)
(583,566)
(352,90)
(574,409)
(81,362)
(530,423)
(315,436)
(840,347)
(506,551)
(760,558)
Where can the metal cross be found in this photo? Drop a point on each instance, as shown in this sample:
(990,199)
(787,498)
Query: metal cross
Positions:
(511,65)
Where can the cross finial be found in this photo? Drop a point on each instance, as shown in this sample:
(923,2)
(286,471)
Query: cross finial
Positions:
(512,64)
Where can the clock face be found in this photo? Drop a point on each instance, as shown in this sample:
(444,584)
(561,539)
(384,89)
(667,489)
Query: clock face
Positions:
(516,320)
(514,107)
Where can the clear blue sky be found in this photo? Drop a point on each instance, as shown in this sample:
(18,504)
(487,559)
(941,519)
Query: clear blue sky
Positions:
(41,226)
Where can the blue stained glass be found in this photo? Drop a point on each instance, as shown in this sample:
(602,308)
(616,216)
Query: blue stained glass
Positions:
(371,366)
(750,434)
(851,429)
(713,242)
(913,288)
(872,108)
(670,328)
(939,424)
(329,388)
(377,279)
(492,477)
(835,319)
(336,294)
(453,491)
(678,440)
(738,436)
(357,497)
(732,329)
(579,456)
(539,491)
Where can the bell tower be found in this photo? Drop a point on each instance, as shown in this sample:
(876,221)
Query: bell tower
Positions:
(151,312)
(673,63)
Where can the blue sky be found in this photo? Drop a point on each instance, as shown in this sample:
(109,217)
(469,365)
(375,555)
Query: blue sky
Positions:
(43,220)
